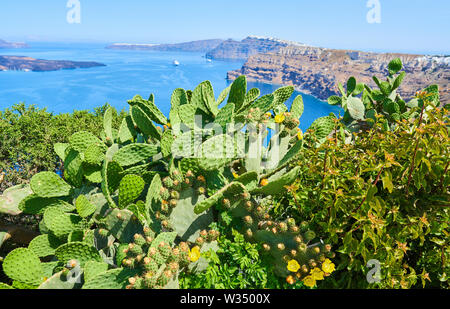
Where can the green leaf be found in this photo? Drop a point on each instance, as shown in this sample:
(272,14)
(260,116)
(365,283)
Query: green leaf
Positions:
(387,182)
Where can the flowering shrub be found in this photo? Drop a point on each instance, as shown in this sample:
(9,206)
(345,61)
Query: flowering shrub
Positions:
(384,196)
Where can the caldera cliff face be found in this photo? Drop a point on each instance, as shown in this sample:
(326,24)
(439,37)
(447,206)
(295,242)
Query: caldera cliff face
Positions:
(317,71)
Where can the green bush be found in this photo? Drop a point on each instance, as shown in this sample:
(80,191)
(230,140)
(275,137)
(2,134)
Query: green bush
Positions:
(383,196)
(29,133)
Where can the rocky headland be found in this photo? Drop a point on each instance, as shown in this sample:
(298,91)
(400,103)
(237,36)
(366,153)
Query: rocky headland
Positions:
(252,45)
(4,44)
(19,63)
(317,71)
(313,70)
(202,46)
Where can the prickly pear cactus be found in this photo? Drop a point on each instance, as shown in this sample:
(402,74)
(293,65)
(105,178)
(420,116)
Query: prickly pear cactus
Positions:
(24,266)
(133,211)
(363,104)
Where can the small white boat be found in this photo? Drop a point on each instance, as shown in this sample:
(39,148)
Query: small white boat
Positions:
(208,60)
(176,63)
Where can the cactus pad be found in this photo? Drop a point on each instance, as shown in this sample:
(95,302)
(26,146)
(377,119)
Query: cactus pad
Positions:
(225,115)
(84,207)
(322,127)
(114,279)
(178,98)
(4,286)
(167,237)
(283,94)
(57,282)
(356,108)
(49,184)
(231,189)
(184,221)
(297,107)
(61,223)
(123,225)
(60,150)
(130,188)
(238,92)
(135,153)
(167,140)
(73,171)
(277,186)
(36,205)
(126,130)
(24,266)
(94,155)
(143,122)
(11,199)
(44,245)
(107,123)
(94,268)
(78,251)
(81,141)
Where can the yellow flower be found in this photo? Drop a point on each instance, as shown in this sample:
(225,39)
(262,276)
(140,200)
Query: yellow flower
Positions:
(264,182)
(194,254)
(279,118)
(268,114)
(300,135)
(235,175)
(309,281)
(328,266)
(293,266)
(317,273)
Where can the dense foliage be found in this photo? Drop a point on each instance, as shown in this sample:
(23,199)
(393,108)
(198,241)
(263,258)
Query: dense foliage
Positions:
(29,133)
(146,201)
(383,197)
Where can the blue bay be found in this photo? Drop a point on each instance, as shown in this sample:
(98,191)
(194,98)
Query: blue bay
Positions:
(126,74)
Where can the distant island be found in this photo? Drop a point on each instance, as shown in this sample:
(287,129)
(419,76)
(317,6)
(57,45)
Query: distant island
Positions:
(19,63)
(4,44)
(313,70)
(202,46)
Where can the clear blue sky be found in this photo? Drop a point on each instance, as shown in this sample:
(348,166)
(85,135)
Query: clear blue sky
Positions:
(406,25)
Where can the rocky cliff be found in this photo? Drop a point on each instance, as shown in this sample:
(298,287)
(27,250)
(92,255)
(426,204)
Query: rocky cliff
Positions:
(4,44)
(317,71)
(249,46)
(18,63)
(202,46)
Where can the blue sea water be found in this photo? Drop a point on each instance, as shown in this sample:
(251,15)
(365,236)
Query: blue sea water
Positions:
(126,74)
